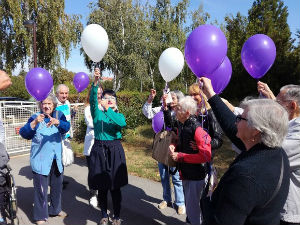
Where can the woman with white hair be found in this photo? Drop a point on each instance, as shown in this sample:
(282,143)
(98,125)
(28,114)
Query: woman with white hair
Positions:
(46,129)
(189,161)
(254,188)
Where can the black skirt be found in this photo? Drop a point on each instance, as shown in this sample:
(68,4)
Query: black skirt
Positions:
(108,170)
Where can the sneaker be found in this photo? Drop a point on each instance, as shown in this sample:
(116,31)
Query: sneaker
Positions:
(94,201)
(181,210)
(104,221)
(116,222)
(164,205)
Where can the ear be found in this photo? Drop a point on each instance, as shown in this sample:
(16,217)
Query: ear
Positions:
(293,105)
(256,133)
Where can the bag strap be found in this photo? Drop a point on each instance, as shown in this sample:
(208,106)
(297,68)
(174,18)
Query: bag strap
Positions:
(278,185)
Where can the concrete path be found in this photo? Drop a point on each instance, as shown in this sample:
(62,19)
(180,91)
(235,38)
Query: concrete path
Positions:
(139,205)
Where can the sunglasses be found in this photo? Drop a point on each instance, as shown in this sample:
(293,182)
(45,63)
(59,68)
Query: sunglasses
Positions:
(238,118)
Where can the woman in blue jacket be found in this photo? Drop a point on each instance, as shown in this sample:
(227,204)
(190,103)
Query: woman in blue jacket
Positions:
(46,130)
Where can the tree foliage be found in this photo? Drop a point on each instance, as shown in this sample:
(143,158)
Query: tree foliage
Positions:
(56,32)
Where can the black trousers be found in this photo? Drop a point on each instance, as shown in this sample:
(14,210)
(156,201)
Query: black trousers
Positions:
(41,211)
(116,199)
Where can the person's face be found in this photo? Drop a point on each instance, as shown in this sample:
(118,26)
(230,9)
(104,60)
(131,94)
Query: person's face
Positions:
(174,102)
(285,103)
(47,106)
(244,131)
(63,94)
(196,97)
(110,100)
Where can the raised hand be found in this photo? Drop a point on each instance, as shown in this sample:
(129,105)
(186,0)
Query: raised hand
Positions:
(151,95)
(264,89)
(97,75)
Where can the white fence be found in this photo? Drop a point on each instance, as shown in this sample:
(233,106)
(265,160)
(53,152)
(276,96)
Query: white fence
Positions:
(14,114)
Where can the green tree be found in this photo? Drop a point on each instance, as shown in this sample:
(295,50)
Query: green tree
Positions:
(56,32)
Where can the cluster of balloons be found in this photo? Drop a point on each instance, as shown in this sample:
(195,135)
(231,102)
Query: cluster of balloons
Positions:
(205,53)
(94,41)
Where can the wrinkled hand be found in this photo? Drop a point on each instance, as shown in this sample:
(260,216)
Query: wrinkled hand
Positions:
(264,89)
(39,118)
(172,152)
(164,98)
(52,121)
(207,87)
(194,145)
(97,75)
(151,95)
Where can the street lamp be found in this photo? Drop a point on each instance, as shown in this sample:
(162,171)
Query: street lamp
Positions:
(32,24)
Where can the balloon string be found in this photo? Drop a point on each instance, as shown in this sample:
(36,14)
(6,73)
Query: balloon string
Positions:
(77,101)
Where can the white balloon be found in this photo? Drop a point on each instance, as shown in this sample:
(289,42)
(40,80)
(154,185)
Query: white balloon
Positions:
(94,41)
(171,62)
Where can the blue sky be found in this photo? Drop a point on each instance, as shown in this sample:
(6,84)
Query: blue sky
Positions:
(217,9)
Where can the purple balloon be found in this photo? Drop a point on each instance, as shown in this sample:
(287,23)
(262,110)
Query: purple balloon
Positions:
(258,55)
(158,121)
(221,76)
(81,81)
(39,83)
(205,49)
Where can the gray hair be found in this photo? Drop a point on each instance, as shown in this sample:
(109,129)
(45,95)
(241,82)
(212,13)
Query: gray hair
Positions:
(52,98)
(179,94)
(188,104)
(61,86)
(270,118)
(291,93)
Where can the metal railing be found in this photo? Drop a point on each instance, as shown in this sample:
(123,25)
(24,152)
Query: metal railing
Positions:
(14,115)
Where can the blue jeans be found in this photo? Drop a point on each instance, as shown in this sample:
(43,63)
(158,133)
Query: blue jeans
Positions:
(165,182)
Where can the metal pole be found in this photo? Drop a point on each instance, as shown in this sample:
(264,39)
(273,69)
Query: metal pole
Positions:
(34,46)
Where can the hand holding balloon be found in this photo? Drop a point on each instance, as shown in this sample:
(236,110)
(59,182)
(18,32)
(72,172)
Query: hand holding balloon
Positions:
(207,87)
(97,76)
(264,89)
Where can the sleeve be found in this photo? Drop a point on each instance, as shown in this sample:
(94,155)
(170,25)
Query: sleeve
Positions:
(226,119)
(64,125)
(94,101)
(236,198)
(215,132)
(88,117)
(26,131)
(4,158)
(291,145)
(203,141)
(168,118)
(148,111)
(117,118)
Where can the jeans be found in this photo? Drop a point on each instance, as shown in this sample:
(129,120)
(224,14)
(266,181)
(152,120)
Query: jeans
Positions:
(165,182)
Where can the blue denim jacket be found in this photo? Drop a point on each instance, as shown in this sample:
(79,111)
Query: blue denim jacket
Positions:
(46,143)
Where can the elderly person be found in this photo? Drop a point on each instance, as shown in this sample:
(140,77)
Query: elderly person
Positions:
(189,161)
(90,138)
(289,98)
(164,171)
(108,170)
(254,188)
(5,82)
(46,130)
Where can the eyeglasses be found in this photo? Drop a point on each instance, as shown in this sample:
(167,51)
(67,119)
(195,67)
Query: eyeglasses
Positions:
(109,98)
(238,118)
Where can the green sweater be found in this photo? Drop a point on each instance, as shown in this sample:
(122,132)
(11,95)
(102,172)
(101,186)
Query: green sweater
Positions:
(107,124)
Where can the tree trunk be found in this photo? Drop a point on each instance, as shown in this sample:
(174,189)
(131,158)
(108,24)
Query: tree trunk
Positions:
(151,76)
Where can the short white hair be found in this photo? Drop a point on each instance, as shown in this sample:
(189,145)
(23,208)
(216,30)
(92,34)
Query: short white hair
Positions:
(50,97)
(61,86)
(188,104)
(270,118)
(291,93)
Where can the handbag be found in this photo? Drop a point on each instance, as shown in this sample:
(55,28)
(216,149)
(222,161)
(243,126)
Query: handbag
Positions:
(160,147)
(67,155)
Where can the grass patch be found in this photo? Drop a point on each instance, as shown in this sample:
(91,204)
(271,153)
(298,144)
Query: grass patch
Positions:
(137,144)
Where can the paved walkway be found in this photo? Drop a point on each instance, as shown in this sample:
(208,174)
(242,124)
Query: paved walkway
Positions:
(139,205)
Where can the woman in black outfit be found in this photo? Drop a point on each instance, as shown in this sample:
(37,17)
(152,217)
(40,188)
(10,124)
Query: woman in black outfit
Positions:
(254,188)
